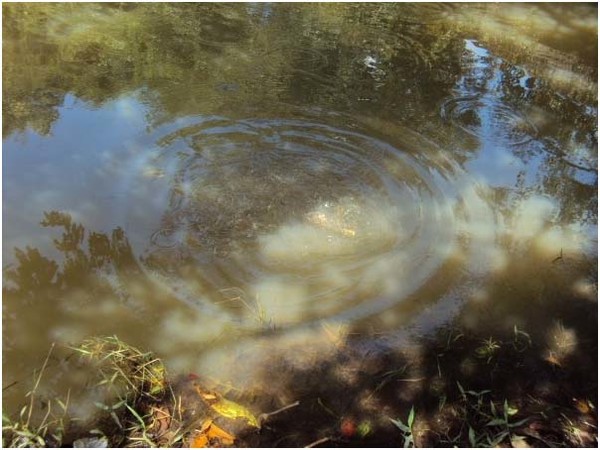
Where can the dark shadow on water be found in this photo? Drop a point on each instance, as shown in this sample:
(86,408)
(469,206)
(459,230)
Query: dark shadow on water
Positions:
(545,368)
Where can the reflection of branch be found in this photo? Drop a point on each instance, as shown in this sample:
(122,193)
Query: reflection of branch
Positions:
(35,273)
(121,251)
(72,236)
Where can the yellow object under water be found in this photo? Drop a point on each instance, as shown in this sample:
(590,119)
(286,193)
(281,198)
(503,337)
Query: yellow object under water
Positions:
(332,223)
(227,408)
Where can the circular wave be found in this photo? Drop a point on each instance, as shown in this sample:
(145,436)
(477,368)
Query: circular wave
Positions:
(488,119)
(429,13)
(292,221)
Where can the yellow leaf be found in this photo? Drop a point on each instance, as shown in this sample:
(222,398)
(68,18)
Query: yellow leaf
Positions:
(227,408)
(232,410)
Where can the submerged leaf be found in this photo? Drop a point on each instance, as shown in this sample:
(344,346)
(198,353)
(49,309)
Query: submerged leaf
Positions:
(227,408)
(200,441)
(232,410)
(211,435)
(216,432)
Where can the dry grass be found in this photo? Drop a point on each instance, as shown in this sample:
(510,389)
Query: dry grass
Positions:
(128,381)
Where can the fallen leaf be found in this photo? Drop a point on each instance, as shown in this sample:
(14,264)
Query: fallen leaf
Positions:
(199,441)
(216,432)
(226,408)
(582,406)
(161,419)
(211,435)
(519,442)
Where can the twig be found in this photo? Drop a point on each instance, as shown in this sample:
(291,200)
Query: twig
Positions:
(558,258)
(10,385)
(318,442)
(263,417)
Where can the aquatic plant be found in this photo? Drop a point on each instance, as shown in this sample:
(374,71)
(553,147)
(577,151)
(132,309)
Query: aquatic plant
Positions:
(406,428)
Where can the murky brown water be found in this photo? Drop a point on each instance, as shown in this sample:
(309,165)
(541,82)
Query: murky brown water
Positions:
(232,182)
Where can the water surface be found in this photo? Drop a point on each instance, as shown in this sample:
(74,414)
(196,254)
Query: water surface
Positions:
(237,182)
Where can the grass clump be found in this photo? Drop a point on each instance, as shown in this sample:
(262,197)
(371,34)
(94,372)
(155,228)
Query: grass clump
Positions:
(122,382)
(133,390)
(126,371)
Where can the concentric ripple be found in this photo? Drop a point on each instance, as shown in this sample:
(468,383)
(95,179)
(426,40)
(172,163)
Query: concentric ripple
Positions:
(486,118)
(292,221)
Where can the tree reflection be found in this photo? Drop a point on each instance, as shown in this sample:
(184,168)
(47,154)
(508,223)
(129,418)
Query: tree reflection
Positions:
(66,292)
(186,59)
(382,61)
(80,257)
(95,286)
(34,273)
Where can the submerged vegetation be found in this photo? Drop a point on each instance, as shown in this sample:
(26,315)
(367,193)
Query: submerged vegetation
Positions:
(138,404)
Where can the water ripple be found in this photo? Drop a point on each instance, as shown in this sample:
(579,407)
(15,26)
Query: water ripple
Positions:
(302,220)
(488,119)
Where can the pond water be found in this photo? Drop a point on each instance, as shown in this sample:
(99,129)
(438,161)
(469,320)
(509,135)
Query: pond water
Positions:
(227,183)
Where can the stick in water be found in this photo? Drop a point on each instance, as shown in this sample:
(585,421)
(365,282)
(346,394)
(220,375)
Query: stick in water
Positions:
(263,417)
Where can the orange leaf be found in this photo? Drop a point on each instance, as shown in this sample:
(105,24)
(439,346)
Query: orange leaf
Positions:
(215,432)
(200,441)
(211,435)
(582,406)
